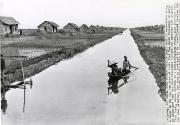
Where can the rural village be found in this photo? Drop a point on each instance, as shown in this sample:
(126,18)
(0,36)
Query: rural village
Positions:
(37,49)
(89,62)
(45,45)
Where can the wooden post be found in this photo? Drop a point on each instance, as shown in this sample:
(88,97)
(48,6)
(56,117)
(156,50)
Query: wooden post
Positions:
(24,85)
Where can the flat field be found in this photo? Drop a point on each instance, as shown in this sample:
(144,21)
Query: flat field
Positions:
(45,49)
(152,48)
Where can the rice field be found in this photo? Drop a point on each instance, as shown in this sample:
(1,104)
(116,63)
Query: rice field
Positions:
(38,44)
(152,48)
(150,35)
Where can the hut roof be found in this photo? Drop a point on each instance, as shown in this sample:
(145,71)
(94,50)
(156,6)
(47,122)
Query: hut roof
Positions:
(8,20)
(50,22)
(93,27)
(73,25)
(97,26)
(54,24)
(84,26)
(161,26)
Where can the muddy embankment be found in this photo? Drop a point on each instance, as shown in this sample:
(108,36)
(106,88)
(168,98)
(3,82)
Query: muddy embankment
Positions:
(32,66)
(154,56)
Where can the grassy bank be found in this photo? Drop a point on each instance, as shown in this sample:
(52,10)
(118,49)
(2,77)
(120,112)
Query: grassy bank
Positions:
(151,47)
(44,50)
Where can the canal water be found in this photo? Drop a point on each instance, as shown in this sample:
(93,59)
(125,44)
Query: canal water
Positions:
(74,92)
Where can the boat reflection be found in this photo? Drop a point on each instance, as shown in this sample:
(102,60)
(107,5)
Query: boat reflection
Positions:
(113,84)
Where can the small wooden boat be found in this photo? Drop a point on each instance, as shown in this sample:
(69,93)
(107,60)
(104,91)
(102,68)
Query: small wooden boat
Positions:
(119,75)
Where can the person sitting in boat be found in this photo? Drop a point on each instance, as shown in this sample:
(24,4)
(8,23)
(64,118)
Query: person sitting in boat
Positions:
(127,66)
(126,63)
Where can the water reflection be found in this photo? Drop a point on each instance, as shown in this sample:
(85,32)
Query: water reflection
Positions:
(3,100)
(7,87)
(113,84)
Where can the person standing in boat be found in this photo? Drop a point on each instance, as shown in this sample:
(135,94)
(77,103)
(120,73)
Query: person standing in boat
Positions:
(113,79)
(114,68)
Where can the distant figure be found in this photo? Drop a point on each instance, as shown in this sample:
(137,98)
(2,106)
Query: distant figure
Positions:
(2,63)
(3,88)
(20,32)
(2,76)
(2,68)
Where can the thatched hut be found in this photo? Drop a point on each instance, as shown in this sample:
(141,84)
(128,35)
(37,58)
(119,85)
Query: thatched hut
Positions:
(8,25)
(71,27)
(93,29)
(99,28)
(48,26)
(103,28)
(161,28)
(84,28)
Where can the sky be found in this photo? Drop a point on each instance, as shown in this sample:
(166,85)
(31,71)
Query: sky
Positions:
(121,13)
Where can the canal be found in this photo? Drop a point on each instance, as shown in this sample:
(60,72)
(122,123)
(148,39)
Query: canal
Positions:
(74,91)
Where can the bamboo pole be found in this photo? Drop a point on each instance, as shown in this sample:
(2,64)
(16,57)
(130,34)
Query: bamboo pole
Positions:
(24,86)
